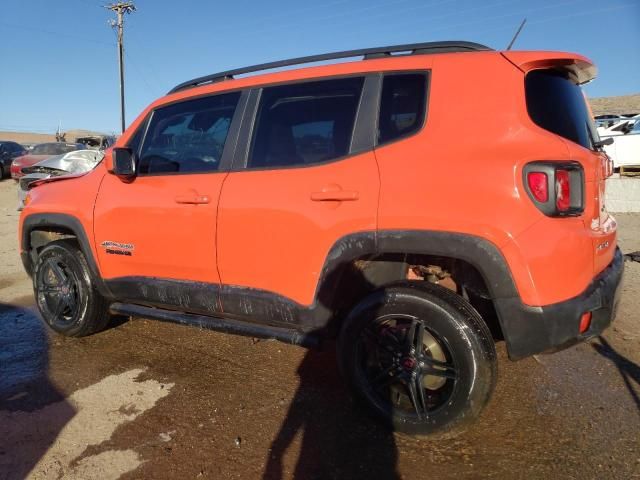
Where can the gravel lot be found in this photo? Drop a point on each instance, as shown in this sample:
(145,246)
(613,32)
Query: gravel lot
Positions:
(152,400)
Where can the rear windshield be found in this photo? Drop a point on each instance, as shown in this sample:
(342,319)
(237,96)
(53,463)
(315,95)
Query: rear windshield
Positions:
(557,104)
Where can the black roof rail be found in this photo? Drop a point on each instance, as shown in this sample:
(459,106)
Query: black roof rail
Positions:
(367,53)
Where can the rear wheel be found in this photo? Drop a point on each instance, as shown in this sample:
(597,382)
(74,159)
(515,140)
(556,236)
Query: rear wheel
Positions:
(65,294)
(2,173)
(420,357)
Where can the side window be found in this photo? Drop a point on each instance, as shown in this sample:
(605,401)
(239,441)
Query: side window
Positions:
(402,105)
(134,142)
(188,136)
(305,123)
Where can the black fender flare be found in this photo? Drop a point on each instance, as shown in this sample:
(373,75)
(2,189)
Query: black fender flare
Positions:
(68,222)
(479,252)
(476,251)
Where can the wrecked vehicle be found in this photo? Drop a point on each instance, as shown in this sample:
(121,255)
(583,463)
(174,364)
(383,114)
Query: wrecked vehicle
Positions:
(41,152)
(76,162)
(336,203)
(97,142)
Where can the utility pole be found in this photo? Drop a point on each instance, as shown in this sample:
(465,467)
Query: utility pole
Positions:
(120,8)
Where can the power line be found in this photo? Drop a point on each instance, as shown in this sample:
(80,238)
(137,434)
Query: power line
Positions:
(53,32)
(121,8)
(138,69)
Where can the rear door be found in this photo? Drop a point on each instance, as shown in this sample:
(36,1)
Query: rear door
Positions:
(162,226)
(307,177)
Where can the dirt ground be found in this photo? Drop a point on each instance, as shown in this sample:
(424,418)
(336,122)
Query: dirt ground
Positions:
(151,400)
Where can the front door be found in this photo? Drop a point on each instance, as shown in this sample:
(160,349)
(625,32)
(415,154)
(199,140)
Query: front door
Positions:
(160,229)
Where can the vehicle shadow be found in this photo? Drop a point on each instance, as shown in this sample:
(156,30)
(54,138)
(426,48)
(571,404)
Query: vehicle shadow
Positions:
(338,439)
(32,410)
(629,371)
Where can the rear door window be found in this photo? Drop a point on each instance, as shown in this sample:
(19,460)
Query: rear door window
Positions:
(188,137)
(557,104)
(402,105)
(305,123)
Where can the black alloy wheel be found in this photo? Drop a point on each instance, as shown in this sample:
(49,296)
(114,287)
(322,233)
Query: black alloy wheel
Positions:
(419,356)
(65,295)
(406,364)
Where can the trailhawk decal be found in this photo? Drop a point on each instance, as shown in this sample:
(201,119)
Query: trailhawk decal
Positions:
(116,248)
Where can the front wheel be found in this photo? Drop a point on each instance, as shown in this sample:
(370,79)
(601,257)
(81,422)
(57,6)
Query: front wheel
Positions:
(420,357)
(64,291)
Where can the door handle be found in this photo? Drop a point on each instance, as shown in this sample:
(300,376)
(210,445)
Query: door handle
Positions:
(193,199)
(334,193)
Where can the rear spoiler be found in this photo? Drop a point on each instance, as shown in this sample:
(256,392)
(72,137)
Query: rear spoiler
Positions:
(580,68)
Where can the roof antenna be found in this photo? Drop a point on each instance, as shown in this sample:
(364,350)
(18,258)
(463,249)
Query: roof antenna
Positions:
(516,35)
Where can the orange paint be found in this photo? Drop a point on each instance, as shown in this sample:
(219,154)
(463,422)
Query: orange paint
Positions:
(272,229)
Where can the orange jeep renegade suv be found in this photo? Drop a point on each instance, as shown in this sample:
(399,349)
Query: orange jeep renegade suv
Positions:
(415,204)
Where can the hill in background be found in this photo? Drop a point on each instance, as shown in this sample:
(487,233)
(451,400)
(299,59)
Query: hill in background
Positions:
(31,138)
(616,105)
(600,106)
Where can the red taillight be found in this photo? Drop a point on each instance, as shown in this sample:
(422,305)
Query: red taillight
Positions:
(563,190)
(555,187)
(538,185)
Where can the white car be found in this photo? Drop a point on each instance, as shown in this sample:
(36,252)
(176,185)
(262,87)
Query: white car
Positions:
(619,128)
(625,149)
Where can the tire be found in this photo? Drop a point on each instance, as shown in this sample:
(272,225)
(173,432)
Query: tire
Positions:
(2,173)
(65,294)
(438,388)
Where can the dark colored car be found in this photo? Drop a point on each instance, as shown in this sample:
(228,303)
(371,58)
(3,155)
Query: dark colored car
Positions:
(8,152)
(41,152)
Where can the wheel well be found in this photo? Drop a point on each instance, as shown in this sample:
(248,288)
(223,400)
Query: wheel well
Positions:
(41,237)
(365,274)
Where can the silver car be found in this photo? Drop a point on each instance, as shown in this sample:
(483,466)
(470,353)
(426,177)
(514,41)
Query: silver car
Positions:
(79,161)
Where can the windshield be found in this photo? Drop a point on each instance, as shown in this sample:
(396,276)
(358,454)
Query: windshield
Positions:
(557,104)
(55,148)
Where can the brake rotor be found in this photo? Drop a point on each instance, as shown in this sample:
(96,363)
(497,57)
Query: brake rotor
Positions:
(433,349)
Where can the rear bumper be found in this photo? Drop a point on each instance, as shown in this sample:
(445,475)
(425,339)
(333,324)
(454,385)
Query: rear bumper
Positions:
(530,330)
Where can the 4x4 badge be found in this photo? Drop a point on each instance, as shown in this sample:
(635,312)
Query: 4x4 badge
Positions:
(116,248)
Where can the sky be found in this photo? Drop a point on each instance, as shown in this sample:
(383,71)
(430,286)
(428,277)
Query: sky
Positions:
(59,59)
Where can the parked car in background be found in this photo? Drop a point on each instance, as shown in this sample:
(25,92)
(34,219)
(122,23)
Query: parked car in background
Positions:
(41,152)
(8,152)
(606,121)
(625,149)
(72,163)
(622,127)
(97,142)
